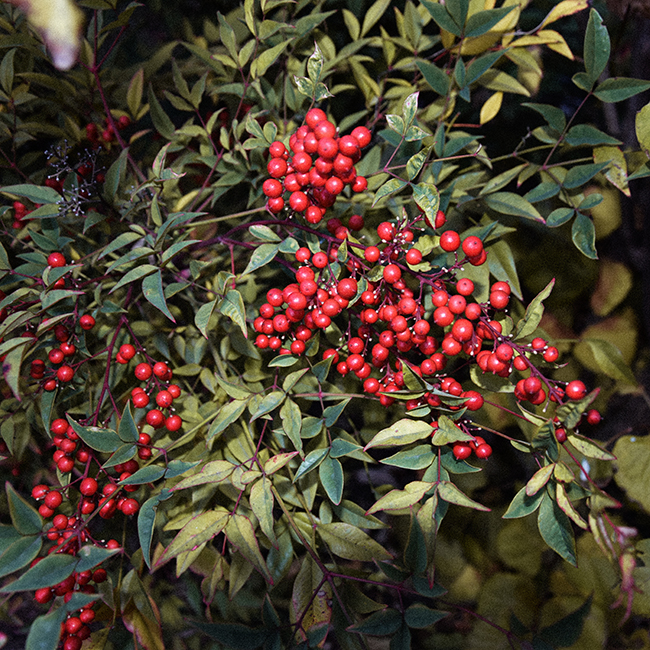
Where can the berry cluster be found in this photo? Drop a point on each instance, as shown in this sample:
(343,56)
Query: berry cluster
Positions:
(321,165)
(105,134)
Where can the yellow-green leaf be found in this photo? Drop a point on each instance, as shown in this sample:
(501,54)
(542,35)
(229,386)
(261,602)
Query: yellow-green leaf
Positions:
(350,543)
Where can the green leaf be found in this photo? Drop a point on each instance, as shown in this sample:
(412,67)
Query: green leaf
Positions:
(555,529)
(315,64)
(610,360)
(240,533)
(567,630)
(441,17)
(35,193)
(559,217)
(48,572)
(292,422)
(553,115)
(585,134)
(135,274)
(583,234)
(596,46)
(312,460)
(617,89)
(127,429)
(153,291)
(203,315)
(262,502)
(262,255)
(268,404)
(534,312)
(399,499)
(146,523)
(450,493)
(420,616)
(510,203)
(523,504)
(381,623)
(539,479)
(434,76)
(427,198)
(147,474)
(642,128)
(96,438)
(228,413)
(330,474)
(331,414)
(582,174)
(481,65)
(500,181)
(402,432)
(121,455)
(233,307)
(589,448)
(24,516)
(390,187)
(19,554)
(350,543)
(265,60)
(134,93)
(90,556)
(233,635)
(200,529)
(373,14)
(213,472)
(419,457)
(483,21)
(448,432)
(45,631)
(160,119)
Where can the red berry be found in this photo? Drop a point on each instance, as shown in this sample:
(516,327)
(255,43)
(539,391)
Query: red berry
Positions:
(483,451)
(413,256)
(593,417)
(386,231)
(88,486)
(575,389)
(130,507)
(472,246)
(462,451)
(392,273)
(56,356)
(39,491)
(277,149)
(43,595)
(56,260)
(174,422)
(362,135)
(53,500)
(449,241)
(87,322)
(65,373)
(164,398)
(314,116)
(143,371)
(160,369)
(140,400)
(155,418)
(127,351)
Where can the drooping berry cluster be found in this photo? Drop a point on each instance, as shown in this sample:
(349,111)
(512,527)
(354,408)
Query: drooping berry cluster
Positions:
(320,166)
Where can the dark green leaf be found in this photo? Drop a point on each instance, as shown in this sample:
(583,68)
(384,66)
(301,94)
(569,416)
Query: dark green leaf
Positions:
(233,307)
(419,457)
(585,134)
(312,460)
(121,455)
(559,216)
(232,635)
(153,291)
(481,65)
(127,429)
(147,474)
(90,556)
(35,193)
(105,440)
(434,76)
(583,234)
(262,255)
(160,119)
(24,516)
(483,21)
(382,623)
(553,115)
(49,571)
(567,630)
(534,312)
(330,473)
(523,505)
(19,554)
(555,529)
(420,616)
(146,522)
(331,414)
(45,631)
(596,46)
(510,203)
(617,89)
(202,316)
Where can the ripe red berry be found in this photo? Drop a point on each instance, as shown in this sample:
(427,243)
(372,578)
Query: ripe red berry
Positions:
(472,246)
(575,389)
(174,422)
(65,373)
(88,486)
(362,135)
(43,595)
(483,451)
(130,507)
(55,356)
(413,256)
(392,273)
(314,116)
(39,491)
(386,231)
(140,400)
(55,260)
(87,322)
(127,351)
(593,417)
(462,451)
(277,149)
(53,499)
(155,418)
(449,241)
(160,369)
(143,371)
(164,399)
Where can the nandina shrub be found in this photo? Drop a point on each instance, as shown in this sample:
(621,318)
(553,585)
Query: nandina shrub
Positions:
(262,322)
